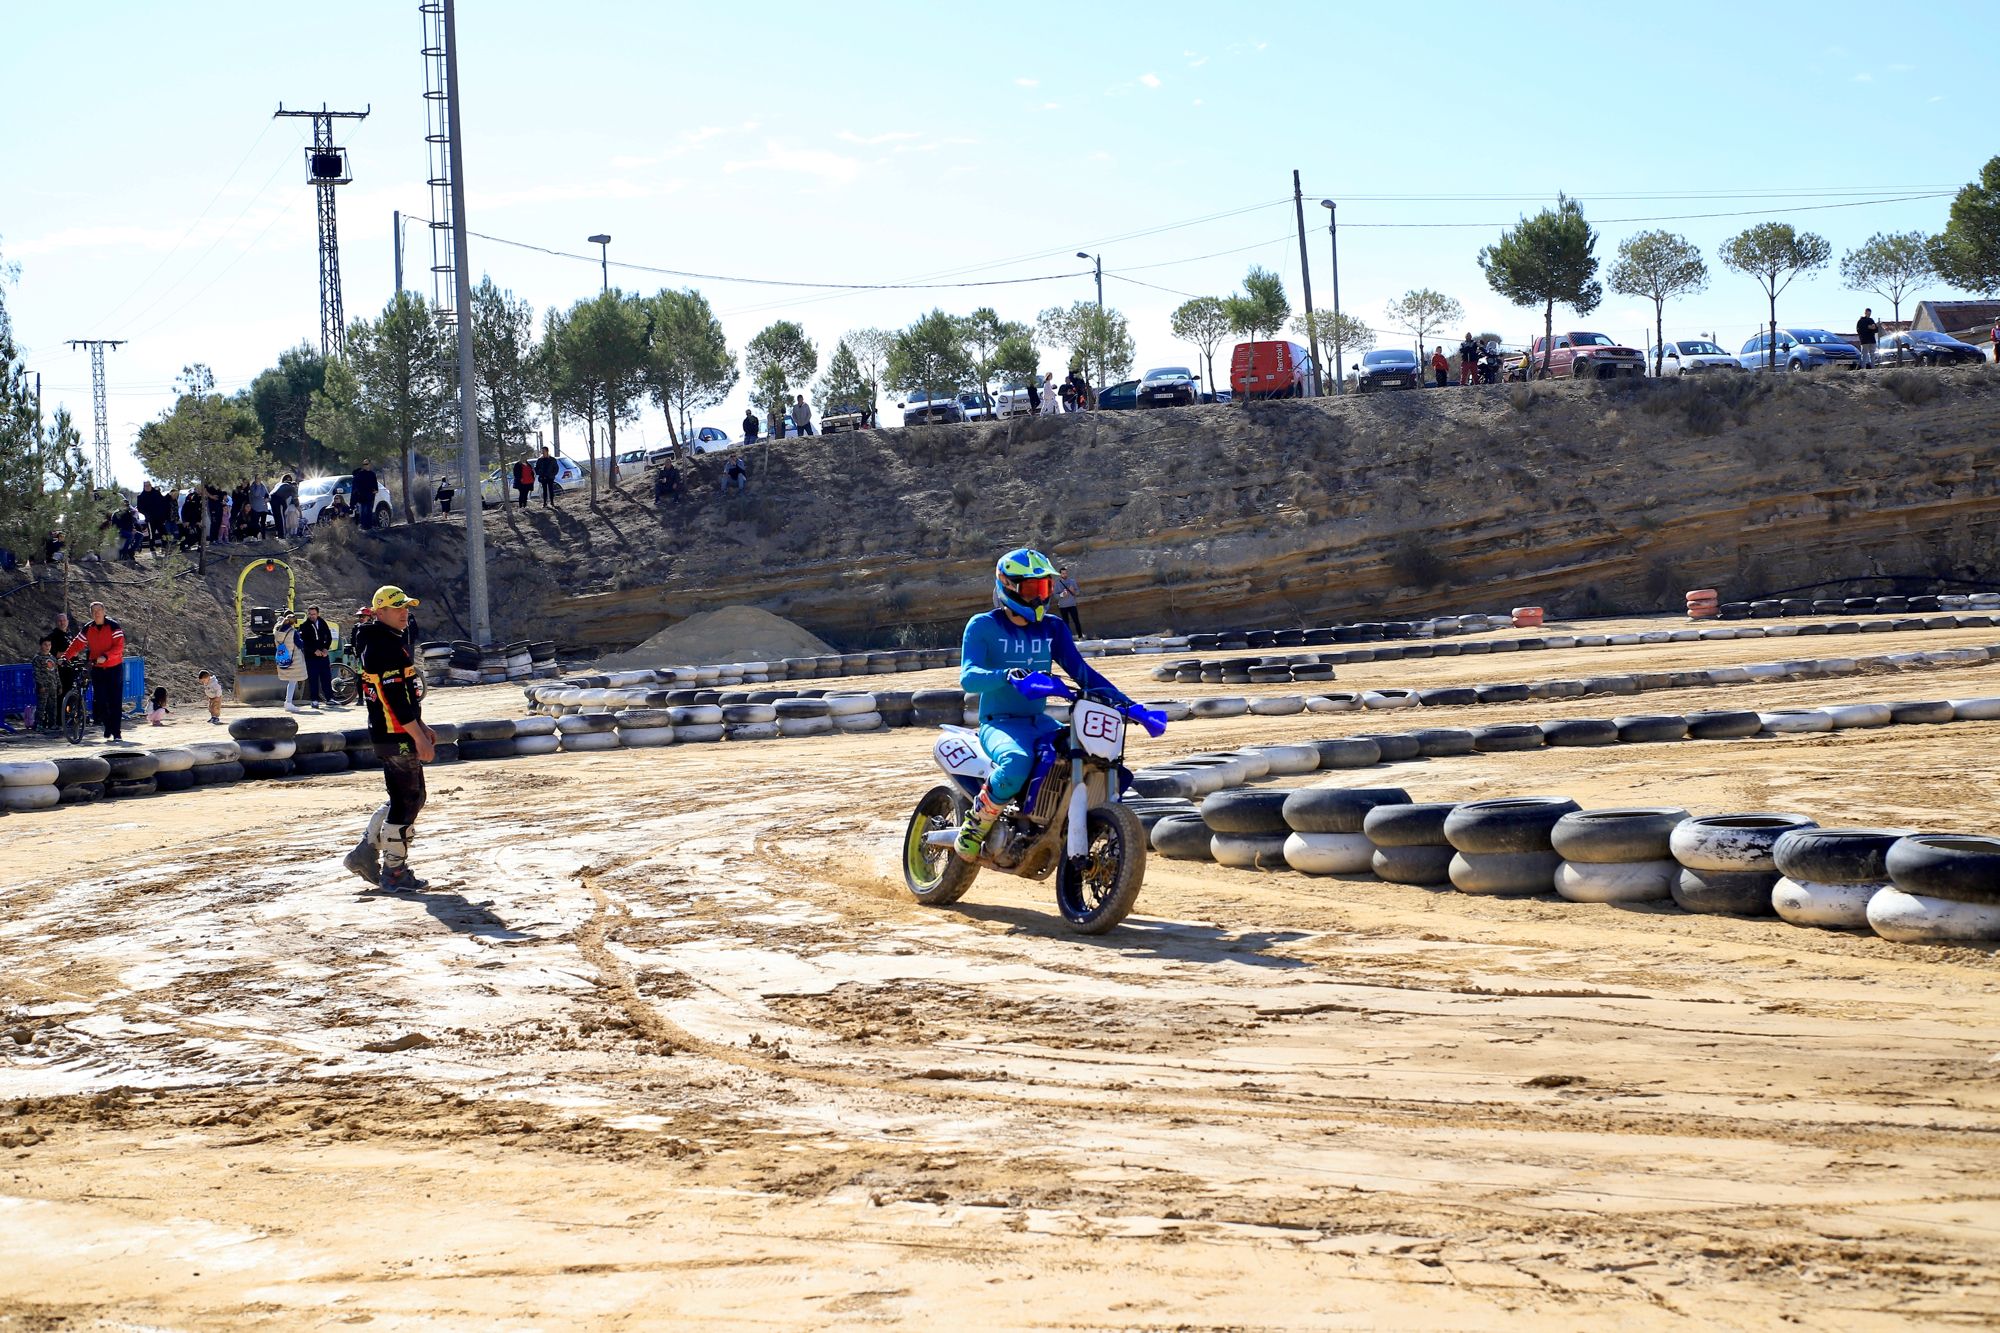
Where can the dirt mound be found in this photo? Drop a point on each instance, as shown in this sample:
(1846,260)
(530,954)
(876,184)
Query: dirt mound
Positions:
(732,634)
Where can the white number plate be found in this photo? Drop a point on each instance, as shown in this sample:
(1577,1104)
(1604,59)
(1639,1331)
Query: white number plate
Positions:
(1099,730)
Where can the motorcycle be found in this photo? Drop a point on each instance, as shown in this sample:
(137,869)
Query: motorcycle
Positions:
(1068,819)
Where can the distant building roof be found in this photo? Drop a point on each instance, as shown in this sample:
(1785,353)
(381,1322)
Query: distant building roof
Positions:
(1957,317)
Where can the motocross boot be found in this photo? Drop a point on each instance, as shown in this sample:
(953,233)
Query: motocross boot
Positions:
(396,873)
(366,860)
(978,822)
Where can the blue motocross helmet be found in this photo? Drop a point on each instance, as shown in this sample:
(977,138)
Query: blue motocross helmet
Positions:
(1024,581)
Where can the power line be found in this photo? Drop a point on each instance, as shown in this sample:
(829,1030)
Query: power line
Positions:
(1668,217)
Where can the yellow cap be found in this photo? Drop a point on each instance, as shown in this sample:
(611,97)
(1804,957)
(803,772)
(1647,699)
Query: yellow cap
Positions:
(389,597)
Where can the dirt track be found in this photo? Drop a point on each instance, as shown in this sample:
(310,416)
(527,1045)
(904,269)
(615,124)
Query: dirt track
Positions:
(668,1041)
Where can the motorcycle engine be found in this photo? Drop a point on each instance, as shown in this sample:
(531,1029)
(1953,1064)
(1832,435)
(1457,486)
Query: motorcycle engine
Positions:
(1004,844)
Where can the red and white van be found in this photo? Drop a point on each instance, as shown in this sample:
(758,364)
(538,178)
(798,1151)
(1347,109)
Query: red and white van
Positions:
(1272,370)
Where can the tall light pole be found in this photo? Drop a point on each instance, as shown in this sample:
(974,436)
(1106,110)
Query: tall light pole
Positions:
(603,243)
(1099,259)
(1333,239)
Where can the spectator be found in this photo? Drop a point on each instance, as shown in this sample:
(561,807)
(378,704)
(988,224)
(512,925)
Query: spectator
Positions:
(156,714)
(336,507)
(1440,366)
(1066,591)
(667,483)
(157,510)
(211,694)
(194,517)
(366,487)
(292,517)
(260,510)
(1468,359)
(48,688)
(802,415)
(240,508)
(1994,334)
(291,660)
(102,642)
(749,425)
(223,530)
(126,520)
(1864,337)
(315,640)
(211,502)
(546,471)
(1034,397)
(524,480)
(443,495)
(736,475)
(283,495)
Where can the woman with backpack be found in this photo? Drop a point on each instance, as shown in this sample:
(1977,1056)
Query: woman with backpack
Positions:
(291,658)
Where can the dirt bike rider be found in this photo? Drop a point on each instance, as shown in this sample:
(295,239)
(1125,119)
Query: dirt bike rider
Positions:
(1005,660)
(393,687)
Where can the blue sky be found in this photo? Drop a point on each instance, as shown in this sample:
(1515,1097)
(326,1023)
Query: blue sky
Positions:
(147,194)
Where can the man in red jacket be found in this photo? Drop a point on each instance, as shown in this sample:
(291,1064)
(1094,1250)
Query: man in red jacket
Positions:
(102,643)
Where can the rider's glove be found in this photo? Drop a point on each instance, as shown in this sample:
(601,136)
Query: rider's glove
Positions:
(1035,684)
(1154,721)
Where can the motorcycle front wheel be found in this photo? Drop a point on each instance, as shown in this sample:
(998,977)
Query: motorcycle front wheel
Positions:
(1095,891)
(935,876)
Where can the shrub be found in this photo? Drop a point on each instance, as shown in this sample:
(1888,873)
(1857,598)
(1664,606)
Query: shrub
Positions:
(1417,563)
(1912,388)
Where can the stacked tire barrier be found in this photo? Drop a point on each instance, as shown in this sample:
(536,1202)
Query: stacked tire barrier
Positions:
(1944,888)
(1326,827)
(1503,846)
(1728,863)
(265,745)
(1617,855)
(1409,842)
(1829,875)
(29,784)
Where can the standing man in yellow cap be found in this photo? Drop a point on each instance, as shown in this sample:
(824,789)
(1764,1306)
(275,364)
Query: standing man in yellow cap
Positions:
(393,688)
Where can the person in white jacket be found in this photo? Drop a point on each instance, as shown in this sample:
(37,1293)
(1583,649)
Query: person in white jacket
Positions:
(1051,400)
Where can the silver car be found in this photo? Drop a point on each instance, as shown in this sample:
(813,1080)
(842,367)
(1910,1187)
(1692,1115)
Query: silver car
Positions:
(1694,356)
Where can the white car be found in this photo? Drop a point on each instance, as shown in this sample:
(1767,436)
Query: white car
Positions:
(498,483)
(706,439)
(1694,356)
(1012,401)
(316,492)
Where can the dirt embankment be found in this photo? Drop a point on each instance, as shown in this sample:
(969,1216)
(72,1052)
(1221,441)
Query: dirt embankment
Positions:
(1587,498)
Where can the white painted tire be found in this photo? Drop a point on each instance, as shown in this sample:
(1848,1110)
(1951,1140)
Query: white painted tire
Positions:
(1847,717)
(534,726)
(1278,705)
(847,705)
(267,751)
(698,733)
(1329,853)
(645,738)
(805,726)
(35,773)
(1344,702)
(1795,721)
(543,743)
(40,796)
(587,724)
(1975,710)
(1909,918)
(578,741)
(214,752)
(1225,706)
(857,722)
(1388,700)
(173,760)
(1621,882)
(1249,851)
(737,715)
(1829,906)
(1289,760)
(751,731)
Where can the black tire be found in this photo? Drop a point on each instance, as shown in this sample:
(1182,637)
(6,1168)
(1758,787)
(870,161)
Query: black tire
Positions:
(81,793)
(179,780)
(1506,825)
(1725,893)
(263,728)
(1421,863)
(1412,825)
(1396,747)
(935,876)
(1723,725)
(1579,731)
(124,788)
(318,742)
(1507,736)
(1837,855)
(267,768)
(1332,809)
(1436,742)
(1501,694)
(1651,729)
(1448,696)
(1348,752)
(489,729)
(74,769)
(1239,810)
(1096,892)
(321,762)
(1505,874)
(1183,837)
(1930,710)
(1961,867)
(1618,836)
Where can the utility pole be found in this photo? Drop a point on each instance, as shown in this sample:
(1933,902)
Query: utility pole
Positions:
(398,223)
(1333,240)
(447,181)
(103,440)
(603,243)
(326,167)
(1306,281)
(1099,260)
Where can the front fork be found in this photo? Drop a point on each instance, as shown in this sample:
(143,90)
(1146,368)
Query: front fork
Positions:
(1076,833)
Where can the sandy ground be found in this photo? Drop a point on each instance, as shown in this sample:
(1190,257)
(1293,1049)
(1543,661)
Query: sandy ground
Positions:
(667,1042)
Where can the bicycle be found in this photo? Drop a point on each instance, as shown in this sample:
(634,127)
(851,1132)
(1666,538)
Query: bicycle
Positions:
(75,716)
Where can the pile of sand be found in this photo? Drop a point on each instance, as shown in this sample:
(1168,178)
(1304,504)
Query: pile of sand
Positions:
(733,634)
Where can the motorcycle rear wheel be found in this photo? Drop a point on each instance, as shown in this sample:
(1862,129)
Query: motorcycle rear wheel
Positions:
(1095,893)
(935,876)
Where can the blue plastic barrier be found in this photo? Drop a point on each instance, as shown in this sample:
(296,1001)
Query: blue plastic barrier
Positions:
(17,689)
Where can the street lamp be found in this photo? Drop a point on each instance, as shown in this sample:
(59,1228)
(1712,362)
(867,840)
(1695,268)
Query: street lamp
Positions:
(1333,238)
(1099,260)
(603,241)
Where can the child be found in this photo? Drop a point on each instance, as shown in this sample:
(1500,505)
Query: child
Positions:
(48,689)
(157,714)
(211,690)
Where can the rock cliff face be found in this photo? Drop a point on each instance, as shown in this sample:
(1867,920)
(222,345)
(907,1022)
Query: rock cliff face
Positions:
(1585,498)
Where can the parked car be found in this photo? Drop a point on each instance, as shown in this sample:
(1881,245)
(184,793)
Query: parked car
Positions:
(316,492)
(922,409)
(1012,400)
(1921,348)
(1119,397)
(1272,370)
(706,439)
(499,483)
(1799,349)
(1388,368)
(1585,356)
(1169,386)
(840,417)
(1694,356)
(977,406)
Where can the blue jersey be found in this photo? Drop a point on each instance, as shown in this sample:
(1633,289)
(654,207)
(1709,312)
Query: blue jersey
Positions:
(995,645)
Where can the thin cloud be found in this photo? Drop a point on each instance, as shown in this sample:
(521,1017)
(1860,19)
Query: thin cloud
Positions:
(1864,77)
(874,140)
(1150,80)
(832,168)
(1902,69)
(1025,82)
(1052,106)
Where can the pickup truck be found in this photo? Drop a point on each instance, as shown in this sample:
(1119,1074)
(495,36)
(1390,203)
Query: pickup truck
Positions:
(841,416)
(1586,356)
